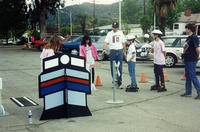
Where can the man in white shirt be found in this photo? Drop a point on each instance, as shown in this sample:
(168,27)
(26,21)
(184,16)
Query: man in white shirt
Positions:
(116,41)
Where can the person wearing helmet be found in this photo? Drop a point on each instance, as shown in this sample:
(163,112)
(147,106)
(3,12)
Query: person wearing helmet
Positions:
(116,41)
(146,38)
(159,61)
(131,59)
(190,57)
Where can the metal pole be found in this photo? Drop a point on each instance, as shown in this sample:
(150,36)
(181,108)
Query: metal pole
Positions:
(59,21)
(115,85)
(70,22)
(144,7)
(154,26)
(94,17)
(2,110)
(114,81)
(0,89)
(120,15)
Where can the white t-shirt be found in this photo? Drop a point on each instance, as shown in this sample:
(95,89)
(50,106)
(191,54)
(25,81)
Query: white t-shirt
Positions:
(159,57)
(115,39)
(131,51)
(89,59)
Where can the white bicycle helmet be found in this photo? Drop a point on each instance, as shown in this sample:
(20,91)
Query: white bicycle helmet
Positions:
(157,32)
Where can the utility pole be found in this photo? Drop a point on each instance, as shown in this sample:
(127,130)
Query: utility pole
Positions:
(144,8)
(70,15)
(94,17)
(120,14)
(59,21)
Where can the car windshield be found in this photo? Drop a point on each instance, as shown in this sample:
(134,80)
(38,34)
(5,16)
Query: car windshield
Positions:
(94,39)
(76,39)
(100,42)
(137,43)
(174,42)
(169,41)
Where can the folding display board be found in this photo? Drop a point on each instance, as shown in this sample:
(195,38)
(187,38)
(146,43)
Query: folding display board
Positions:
(64,85)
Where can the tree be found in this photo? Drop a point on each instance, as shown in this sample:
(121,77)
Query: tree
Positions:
(13,17)
(161,8)
(83,19)
(173,15)
(146,23)
(131,11)
(38,12)
(193,5)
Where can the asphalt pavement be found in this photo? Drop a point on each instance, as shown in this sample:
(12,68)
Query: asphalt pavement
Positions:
(143,111)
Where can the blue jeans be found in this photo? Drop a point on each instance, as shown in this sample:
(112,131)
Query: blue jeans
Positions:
(158,71)
(131,69)
(116,55)
(190,75)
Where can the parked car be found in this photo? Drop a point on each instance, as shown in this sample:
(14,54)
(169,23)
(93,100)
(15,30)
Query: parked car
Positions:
(99,45)
(142,49)
(174,49)
(74,44)
(39,44)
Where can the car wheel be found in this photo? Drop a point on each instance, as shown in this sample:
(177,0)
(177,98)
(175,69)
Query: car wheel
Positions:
(41,47)
(74,52)
(100,56)
(170,60)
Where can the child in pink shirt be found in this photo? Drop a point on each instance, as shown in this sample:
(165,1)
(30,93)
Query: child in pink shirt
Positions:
(51,48)
(89,52)
(159,61)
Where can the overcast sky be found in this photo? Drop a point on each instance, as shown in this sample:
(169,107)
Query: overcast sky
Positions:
(71,2)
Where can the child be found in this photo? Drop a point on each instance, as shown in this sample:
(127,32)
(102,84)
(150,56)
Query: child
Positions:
(159,61)
(89,52)
(131,59)
(51,48)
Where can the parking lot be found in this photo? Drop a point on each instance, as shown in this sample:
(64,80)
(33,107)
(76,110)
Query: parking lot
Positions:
(145,111)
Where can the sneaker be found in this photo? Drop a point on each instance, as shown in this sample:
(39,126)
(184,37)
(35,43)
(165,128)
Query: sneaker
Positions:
(119,83)
(162,88)
(154,87)
(135,87)
(128,86)
(198,97)
(131,90)
(186,95)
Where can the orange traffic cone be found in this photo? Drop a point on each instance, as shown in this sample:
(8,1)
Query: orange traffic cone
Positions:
(98,81)
(165,77)
(143,78)
(183,78)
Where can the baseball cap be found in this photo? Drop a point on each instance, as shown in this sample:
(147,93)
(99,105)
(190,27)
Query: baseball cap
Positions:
(115,24)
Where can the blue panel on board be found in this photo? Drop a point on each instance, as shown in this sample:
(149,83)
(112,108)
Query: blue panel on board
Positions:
(52,88)
(78,87)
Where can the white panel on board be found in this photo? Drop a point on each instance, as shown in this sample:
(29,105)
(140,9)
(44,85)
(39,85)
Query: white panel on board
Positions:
(77,62)
(54,100)
(76,98)
(51,63)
